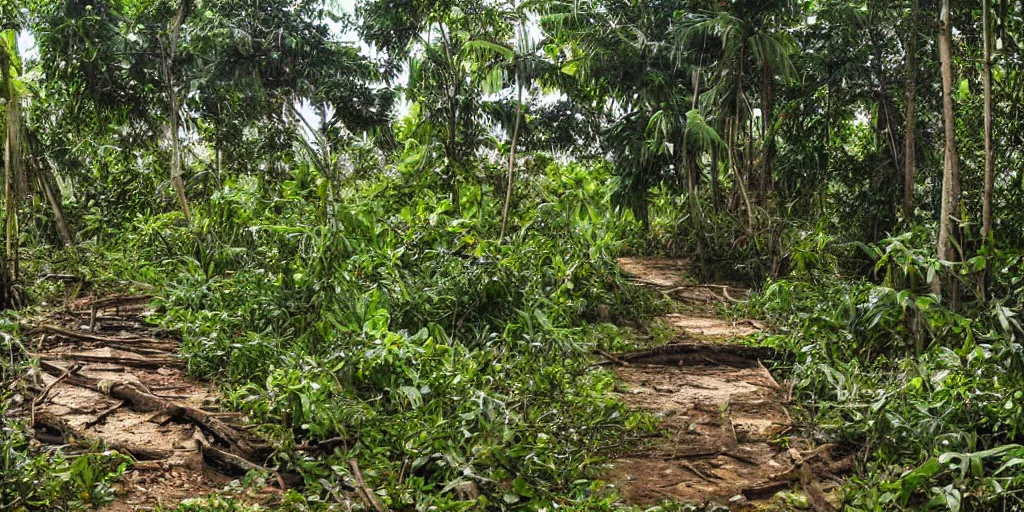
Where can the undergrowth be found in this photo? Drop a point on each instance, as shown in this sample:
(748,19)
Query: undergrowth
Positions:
(928,399)
(454,367)
(34,478)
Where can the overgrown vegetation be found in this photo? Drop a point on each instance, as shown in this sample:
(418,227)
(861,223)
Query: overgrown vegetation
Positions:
(407,246)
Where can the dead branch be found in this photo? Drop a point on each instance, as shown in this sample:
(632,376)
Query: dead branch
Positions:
(72,435)
(739,356)
(46,391)
(88,338)
(225,460)
(775,383)
(118,300)
(364,492)
(151,362)
(146,401)
(103,414)
(611,357)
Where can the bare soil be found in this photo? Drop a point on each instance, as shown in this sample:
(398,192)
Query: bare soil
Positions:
(664,272)
(723,415)
(108,376)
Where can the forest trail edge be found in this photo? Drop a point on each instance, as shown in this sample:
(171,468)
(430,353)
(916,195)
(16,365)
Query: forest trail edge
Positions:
(108,376)
(723,415)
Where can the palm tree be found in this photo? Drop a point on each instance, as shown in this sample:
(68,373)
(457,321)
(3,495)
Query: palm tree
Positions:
(745,37)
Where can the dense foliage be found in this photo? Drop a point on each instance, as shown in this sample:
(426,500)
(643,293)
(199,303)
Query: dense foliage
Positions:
(395,225)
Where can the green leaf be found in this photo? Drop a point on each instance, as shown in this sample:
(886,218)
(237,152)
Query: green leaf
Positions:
(521,487)
(489,48)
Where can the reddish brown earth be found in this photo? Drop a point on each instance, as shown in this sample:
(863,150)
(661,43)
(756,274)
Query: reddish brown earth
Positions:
(724,427)
(95,351)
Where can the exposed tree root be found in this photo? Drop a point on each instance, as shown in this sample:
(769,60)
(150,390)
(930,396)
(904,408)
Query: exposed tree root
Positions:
(144,401)
(132,362)
(72,435)
(89,338)
(737,356)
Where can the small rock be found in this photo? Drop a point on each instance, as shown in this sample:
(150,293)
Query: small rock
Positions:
(737,499)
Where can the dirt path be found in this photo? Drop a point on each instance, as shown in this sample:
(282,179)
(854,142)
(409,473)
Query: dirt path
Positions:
(106,375)
(723,415)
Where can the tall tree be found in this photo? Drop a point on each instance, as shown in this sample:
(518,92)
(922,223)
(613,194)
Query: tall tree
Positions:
(14,137)
(986,77)
(168,52)
(455,58)
(951,166)
(909,159)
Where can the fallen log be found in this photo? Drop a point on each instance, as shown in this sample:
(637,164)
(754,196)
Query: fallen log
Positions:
(72,435)
(134,362)
(739,356)
(144,401)
(229,462)
(118,300)
(86,337)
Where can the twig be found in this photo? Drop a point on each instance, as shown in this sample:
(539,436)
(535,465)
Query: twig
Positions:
(696,471)
(611,357)
(741,458)
(46,391)
(774,382)
(364,492)
(103,414)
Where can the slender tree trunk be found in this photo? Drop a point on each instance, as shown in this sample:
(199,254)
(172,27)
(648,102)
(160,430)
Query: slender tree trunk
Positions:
(986,215)
(53,198)
(13,173)
(177,179)
(910,152)
(692,172)
(714,178)
(739,179)
(951,167)
(512,158)
(767,117)
(42,171)
(691,189)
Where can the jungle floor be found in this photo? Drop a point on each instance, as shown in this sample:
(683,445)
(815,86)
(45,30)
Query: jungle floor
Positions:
(725,433)
(108,375)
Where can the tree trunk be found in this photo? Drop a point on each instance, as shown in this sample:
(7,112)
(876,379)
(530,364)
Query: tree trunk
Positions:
(697,220)
(768,147)
(177,179)
(512,159)
(951,167)
(52,194)
(739,178)
(986,215)
(909,162)
(13,173)
(714,178)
